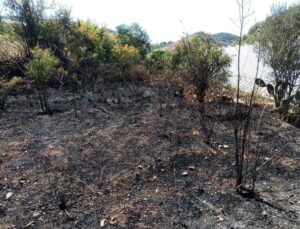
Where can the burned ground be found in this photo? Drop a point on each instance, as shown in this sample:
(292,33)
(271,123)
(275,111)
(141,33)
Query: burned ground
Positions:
(135,157)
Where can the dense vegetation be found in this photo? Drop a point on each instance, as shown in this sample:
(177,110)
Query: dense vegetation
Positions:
(82,51)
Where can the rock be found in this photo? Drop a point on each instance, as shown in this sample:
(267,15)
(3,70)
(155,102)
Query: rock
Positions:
(153,178)
(185,173)
(113,220)
(195,133)
(147,94)
(111,101)
(102,223)
(226,146)
(9,195)
(36,214)
(192,168)
(220,218)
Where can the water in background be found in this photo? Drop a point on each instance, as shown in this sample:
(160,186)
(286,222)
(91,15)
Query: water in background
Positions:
(248,69)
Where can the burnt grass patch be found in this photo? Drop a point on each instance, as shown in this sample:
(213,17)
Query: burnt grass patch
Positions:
(129,158)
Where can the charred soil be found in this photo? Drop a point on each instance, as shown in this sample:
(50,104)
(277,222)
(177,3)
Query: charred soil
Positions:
(135,156)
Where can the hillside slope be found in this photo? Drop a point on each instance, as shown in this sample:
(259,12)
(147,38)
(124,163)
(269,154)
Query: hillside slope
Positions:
(132,159)
(222,39)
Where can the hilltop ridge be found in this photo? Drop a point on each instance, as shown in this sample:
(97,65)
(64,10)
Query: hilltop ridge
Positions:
(223,39)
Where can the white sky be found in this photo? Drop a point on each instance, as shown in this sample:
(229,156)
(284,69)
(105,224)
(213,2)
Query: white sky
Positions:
(166,20)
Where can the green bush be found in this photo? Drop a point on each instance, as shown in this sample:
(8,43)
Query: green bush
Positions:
(6,87)
(134,35)
(125,57)
(203,63)
(158,60)
(90,48)
(90,42)
(39,71)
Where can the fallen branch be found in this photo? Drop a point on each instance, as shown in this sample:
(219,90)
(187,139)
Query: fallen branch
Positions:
(104,111)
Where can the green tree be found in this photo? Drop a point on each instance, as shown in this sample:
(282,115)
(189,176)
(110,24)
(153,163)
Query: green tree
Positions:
(280,48)
(205,63)
(29,13)
(55,34)
(135,36)
(91,46)
(39,23)
(39,71)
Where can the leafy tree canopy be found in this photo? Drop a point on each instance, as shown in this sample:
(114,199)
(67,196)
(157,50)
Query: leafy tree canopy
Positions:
(134,35)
